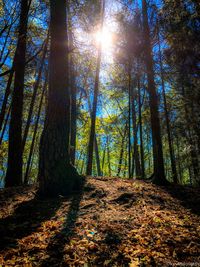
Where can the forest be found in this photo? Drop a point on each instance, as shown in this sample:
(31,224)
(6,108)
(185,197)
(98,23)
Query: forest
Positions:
(99,133)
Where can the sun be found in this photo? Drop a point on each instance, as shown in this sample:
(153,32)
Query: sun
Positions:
(104,38)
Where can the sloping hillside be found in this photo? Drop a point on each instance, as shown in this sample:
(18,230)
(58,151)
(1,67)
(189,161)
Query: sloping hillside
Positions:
(112,222)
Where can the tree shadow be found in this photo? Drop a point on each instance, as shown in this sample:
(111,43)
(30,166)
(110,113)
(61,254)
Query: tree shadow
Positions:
(188,196)
(55,248)
(25,219)
(8,195)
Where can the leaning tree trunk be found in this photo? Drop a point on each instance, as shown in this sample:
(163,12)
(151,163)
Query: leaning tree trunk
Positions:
(159,172)
(56,175)
(14,169)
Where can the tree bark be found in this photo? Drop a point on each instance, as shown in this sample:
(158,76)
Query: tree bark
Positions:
(108,156)
(159,172)
(169,136)
(141,130)
(5,124)
(97,157)
(14,169)
(56,174)
(26,176)
(122,151)
(129,123)
(73,100)
(136,152)
(35,90)
(5,99)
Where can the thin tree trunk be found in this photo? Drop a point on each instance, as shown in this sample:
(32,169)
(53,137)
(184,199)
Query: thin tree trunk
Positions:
(108,157)
(35,90)
(73,99)
(5,100)
(5,124)
(97,157)
(125,162)
(129,123)
(82,166)
(141,131)
(94,108)
(159,172)
(122,151)
(188,134)
(180,171)
(170,142)
(34,135)
(103,159)
(96,144)
(14,169)
(136,152)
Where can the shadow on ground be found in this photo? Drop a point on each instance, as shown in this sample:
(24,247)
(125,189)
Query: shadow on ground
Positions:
(55,249)
(189,197)
(25,219)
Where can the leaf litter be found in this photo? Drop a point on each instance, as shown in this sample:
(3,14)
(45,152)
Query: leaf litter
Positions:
(112,222)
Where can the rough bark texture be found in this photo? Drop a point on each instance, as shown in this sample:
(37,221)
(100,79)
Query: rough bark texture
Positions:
(56,175)
(14,170)
(159,172)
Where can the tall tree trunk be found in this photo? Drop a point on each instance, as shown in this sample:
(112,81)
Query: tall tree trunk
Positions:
(5,124)
(108,156)
(189,135)
(95,142)
(141,130)
(129,123)
(14,169)
(125,161)
(35,90)
(5,99)
(169,136)
(94,108)
(73,99)
(103,159)
(34,135)
(122,151)
(56,175)
(180,169)
(97,157)
(159,172)
(136,152)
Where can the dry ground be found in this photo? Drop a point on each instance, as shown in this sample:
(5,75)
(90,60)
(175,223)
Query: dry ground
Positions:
(112,222)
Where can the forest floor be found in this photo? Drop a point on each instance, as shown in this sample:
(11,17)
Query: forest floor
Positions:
(112,222)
